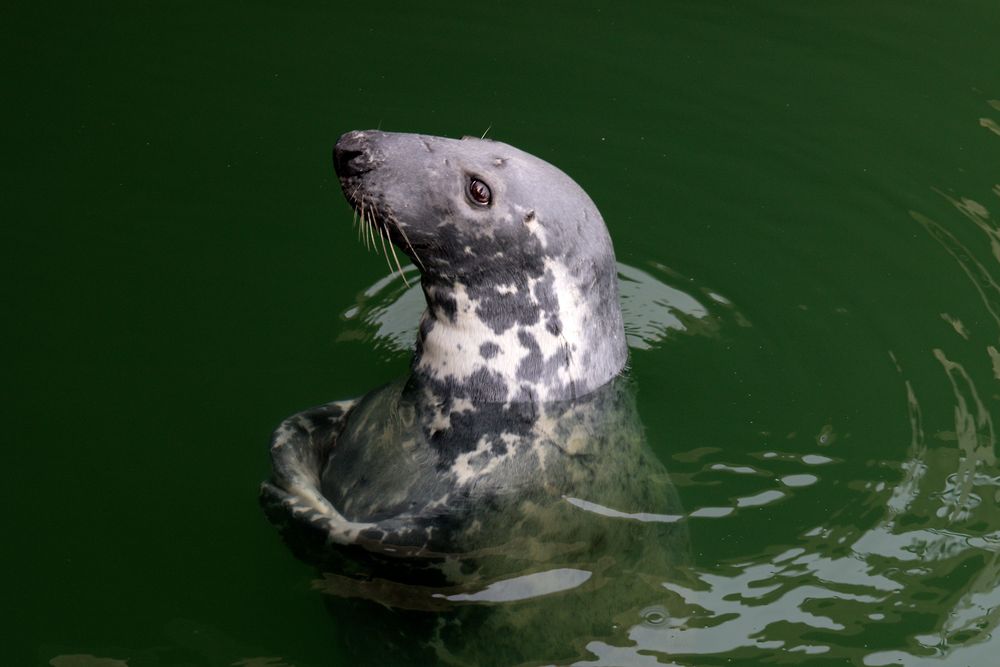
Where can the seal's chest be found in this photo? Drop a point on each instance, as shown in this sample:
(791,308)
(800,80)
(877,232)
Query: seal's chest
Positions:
(405,452)
(398,459)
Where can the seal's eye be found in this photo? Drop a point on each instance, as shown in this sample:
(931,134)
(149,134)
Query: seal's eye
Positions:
(480,192)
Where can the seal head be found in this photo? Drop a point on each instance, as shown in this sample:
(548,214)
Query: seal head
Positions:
(516,264)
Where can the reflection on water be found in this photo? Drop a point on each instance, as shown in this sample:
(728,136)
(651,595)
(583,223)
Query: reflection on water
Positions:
(387,312)
(933,554)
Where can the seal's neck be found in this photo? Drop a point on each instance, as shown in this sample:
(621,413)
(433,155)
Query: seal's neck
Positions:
(556,336)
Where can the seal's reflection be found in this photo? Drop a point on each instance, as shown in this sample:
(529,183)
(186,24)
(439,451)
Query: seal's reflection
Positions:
(564,539)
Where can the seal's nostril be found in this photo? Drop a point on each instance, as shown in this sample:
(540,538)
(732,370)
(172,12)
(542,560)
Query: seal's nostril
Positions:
(350,154)
(345,161)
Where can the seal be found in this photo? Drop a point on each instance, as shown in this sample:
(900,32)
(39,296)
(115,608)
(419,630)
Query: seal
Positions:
(514,405)
(510,464)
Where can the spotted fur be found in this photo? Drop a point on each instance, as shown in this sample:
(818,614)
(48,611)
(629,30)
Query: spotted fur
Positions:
(514,403)
(531,277)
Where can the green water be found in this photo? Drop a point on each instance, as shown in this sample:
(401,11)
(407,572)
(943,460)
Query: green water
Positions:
(179,274)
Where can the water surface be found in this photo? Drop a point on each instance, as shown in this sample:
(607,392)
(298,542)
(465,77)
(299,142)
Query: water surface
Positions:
(804,203)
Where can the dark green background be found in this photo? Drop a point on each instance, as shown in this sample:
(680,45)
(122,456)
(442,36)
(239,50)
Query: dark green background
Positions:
(177,258)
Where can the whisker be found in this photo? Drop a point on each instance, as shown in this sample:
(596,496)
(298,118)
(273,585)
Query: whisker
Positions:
(371,228)
(361,228)
(487,131)
(359,225)
(385,253)
(368,214)
(412,249)
(353,195)
(398,266)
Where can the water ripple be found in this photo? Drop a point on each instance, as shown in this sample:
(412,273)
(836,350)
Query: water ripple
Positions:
(387,312)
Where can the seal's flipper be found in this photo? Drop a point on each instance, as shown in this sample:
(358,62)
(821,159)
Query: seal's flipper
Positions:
(291,499)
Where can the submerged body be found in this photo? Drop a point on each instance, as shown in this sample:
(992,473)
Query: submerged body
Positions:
(499,491)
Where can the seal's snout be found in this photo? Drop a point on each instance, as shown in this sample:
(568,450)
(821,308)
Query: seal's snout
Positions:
(351,156)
